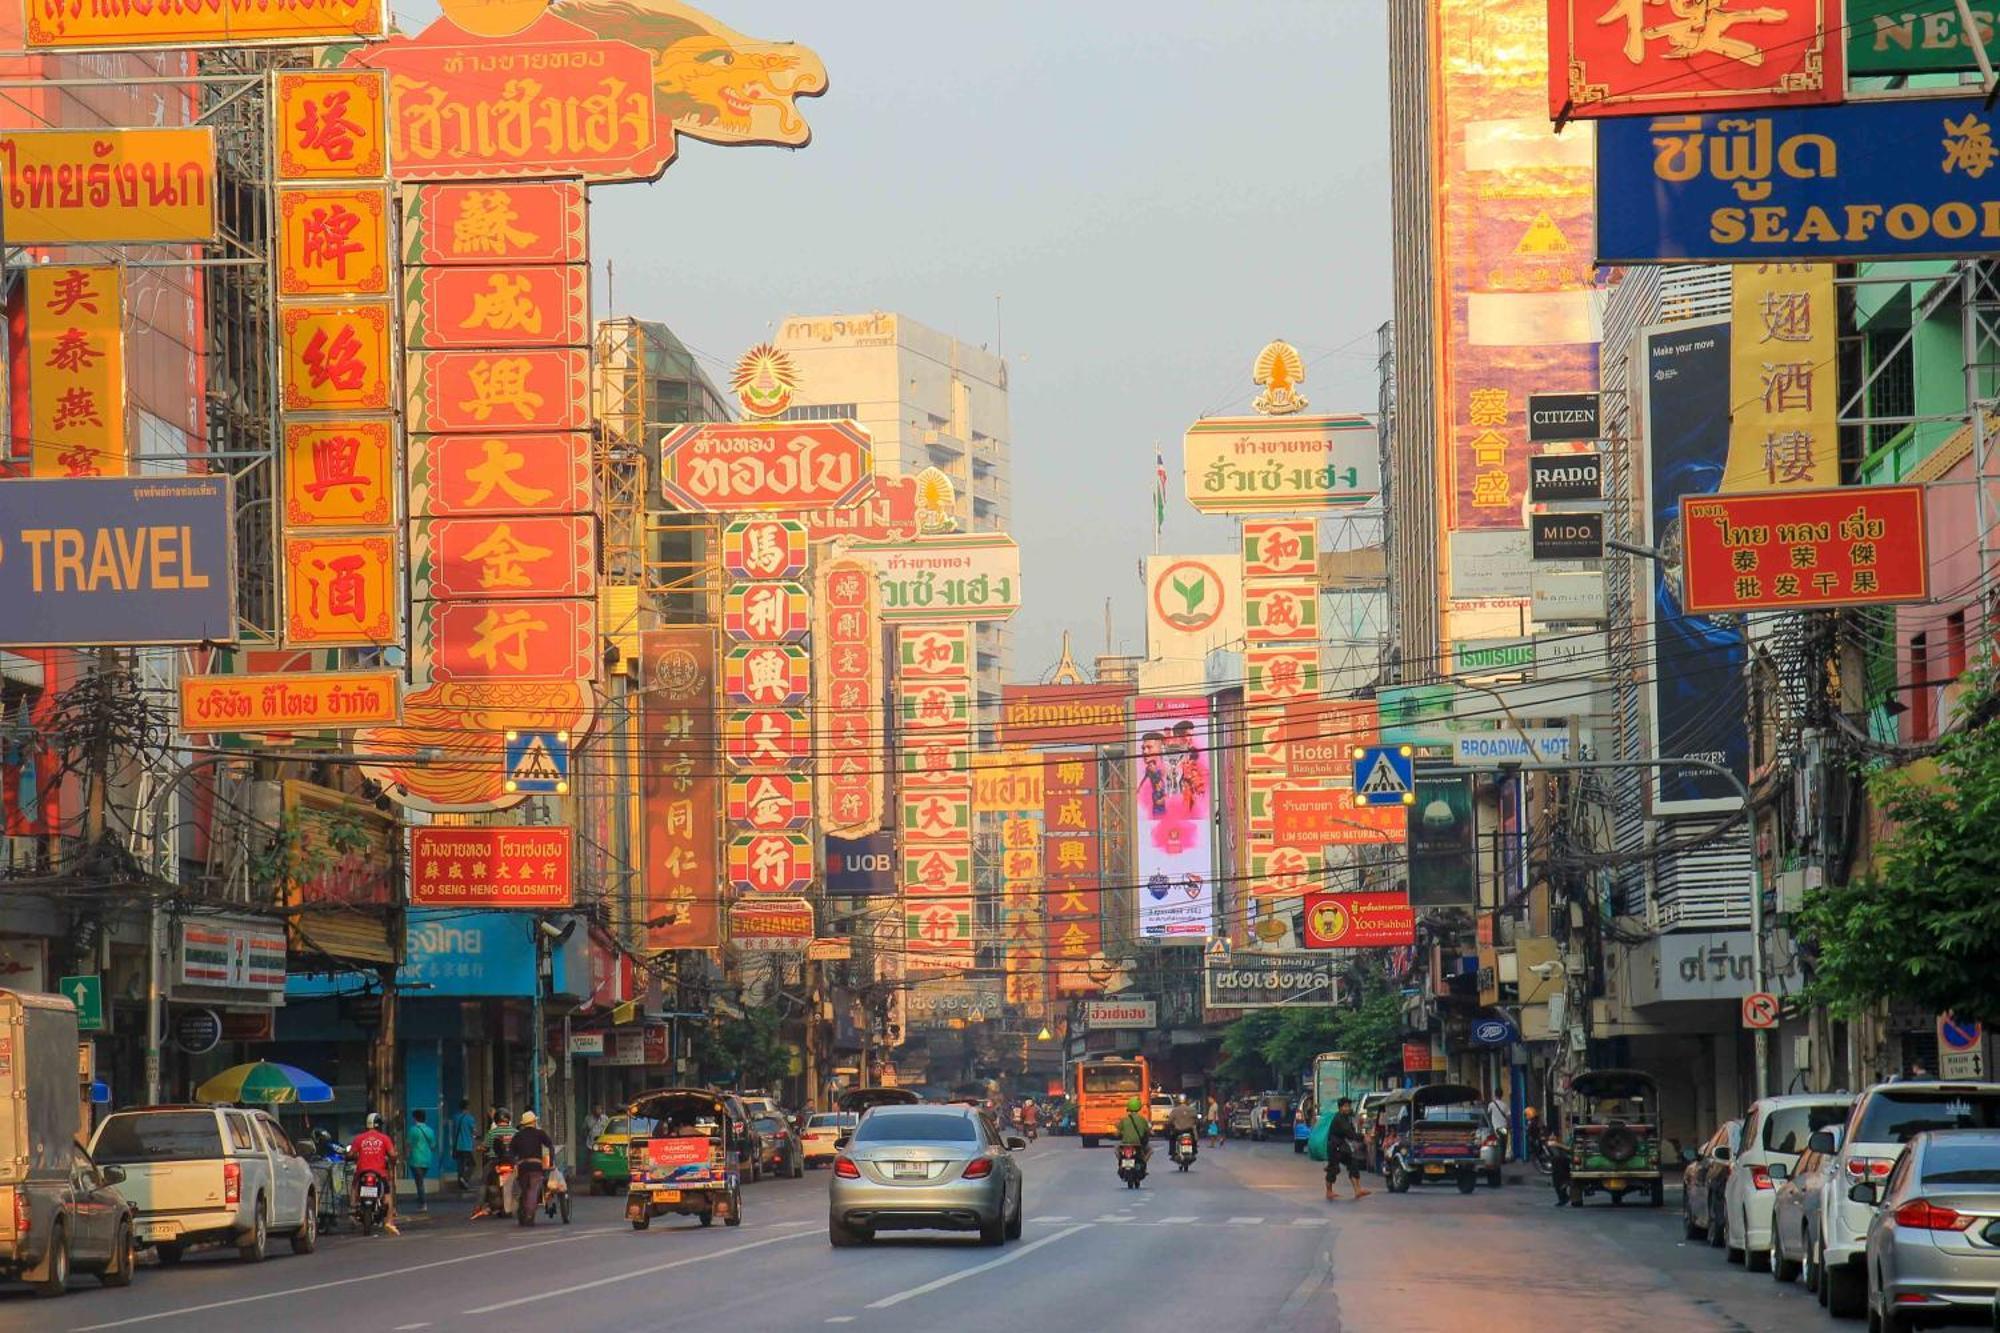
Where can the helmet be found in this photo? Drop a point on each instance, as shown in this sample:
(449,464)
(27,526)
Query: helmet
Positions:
(1528,1112)
(374,1120)
(1131,1103)
(527,1118)
(501,1113)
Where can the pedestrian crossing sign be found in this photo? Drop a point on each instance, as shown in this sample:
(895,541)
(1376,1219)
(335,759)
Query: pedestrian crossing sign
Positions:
(1385,774)
(538,763)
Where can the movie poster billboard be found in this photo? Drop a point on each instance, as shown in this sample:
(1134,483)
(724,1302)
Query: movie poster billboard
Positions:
(1696,659)
(1173,800)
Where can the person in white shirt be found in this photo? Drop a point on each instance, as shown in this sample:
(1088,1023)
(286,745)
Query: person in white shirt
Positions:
(1496,1113)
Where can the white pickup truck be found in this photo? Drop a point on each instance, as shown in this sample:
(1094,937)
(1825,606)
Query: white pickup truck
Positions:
(207,1175)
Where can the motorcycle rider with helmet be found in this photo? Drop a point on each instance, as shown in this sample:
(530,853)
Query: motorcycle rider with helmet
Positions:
(374,1153)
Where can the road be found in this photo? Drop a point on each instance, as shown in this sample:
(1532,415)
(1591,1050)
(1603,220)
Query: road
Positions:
(1245,1241)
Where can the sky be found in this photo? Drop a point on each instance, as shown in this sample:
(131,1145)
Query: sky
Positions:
(1154,189)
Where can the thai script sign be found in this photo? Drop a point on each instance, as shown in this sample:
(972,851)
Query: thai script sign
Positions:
(54,25)
(680,787)
(1327,816)
(1873,180)
(288,701)
(76,370)
(1262,980)
(778,466)
(1141,1015)
(109,187)
(1851,546)
(490,867)
(976,576)
(1625,57)
(1914,37)
(498,222)
(849,640)
(1784,378)
(887,515)
(1359,921)
(116,560)
(1065,715)
(1249,465)
(777,925)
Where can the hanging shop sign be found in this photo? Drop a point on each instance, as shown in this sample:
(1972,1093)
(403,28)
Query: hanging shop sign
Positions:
(109,187)
(766,612)
(1280,548)
(976,576)
(339,591)
(333,240)
(1304,816)
(518,556)
(1279,611)
(1359,921)
(1566,536)
(1868,180)
(76,370)
(288,701)
(767,801)
(1630,59)
(778,467)
(777,862)
(491,867)
(861,867)
(1915,37)
(1140,1015)
(1565,477)
(528,388)
(1554,417)
(1173,803)
(1784,379)
(1265,980)
(768,675)
(679,790)
(231,23)
(236,953)
(513,473)
(849,638)
(339,474)
(511,305)
(777,925)
(518,640)
(888,514)
(499,223)
(1063,715)
(764,548)
(335,357)
(328,124)
(1249,465)
(1319,734)
(1852,546)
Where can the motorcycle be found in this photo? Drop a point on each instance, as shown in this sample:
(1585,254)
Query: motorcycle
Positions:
(493,1201)
(555,1194)
(1184,1149)
(1131,1165)
(371,1202)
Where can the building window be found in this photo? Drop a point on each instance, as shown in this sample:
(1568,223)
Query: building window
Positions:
(1923,717)
(1954,645)
(821,412)
(1894,392)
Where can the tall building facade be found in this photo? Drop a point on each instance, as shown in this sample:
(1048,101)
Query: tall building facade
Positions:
(928,400)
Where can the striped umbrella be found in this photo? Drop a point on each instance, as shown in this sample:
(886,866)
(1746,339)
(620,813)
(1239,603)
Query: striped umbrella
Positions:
(264,1083)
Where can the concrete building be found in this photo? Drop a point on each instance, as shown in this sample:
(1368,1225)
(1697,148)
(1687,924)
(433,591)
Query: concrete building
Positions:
(929,400)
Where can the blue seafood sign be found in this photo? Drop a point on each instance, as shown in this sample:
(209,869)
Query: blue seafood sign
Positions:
(1867,180)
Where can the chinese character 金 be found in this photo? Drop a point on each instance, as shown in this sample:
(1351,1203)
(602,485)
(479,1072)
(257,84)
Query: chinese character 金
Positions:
(1968,145)
(503,558)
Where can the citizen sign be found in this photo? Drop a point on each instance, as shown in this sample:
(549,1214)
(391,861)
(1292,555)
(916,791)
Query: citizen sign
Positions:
(1565,477)
(1562,416)
(1258,981)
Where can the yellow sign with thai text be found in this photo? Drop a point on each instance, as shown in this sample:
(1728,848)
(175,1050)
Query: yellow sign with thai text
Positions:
(109,187)
(76,371)
(330,124)
(335,358)
(340,591)
(1784,392)
(339,474)
(333,242)
(1007,782)
(57,25)
(289,701)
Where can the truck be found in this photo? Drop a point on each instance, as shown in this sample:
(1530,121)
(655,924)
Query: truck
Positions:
(1330,1078)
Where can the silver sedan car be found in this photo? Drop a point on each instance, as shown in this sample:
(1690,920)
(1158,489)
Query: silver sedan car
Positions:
(1934,1243)
(925,1168)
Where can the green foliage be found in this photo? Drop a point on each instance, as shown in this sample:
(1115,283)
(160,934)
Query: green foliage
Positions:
(1925,926)
(1243,1063)
(745,1053)
(1267,1047)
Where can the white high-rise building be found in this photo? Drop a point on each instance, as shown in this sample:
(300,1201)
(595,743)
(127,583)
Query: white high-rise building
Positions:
(928,400)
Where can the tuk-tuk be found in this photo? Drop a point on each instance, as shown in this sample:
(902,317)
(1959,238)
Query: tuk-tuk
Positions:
(1611,1135)
(682,1157)
(1434,1133)
(858,1100)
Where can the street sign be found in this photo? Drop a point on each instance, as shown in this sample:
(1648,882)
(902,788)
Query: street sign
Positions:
(1385,774)
(1961,1047)
(1493,1032)
(1760,1010)
(197,1031)
(538,762)
(87,993)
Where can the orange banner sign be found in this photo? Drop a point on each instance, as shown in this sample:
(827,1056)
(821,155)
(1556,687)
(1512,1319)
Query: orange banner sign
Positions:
(339,474)
(109,187)
(534,305)
(502,474)
(67,25)
(340,590)
(520,222)
(76,371)
(525,640)
(543,388)
(333,242)
(335,358)
(330,124)
(289,701)
(547,556)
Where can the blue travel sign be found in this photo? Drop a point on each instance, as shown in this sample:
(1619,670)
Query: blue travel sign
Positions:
(1867,180)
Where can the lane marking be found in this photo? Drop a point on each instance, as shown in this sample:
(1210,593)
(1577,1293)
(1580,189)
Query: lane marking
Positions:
(1113,1217)
(1246,1221)
(406,1328)
(960,1276)
(1052,1217)
(1312,1221)
(841,1319)
(647,1271)
(1175,1221)
(1309,1285)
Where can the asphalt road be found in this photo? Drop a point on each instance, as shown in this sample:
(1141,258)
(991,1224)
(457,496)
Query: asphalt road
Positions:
(1246,1241)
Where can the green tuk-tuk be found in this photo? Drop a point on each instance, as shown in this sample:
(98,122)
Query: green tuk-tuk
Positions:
(1611,1135)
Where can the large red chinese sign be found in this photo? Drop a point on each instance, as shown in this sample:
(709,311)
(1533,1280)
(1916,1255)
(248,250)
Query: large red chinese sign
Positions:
(774,466)
(1070,871)
(1642,57)
(1853,546)
(679,788)
(850,700)
(767,731)
(490,867)
(524,473)
(496,223)
(936,810)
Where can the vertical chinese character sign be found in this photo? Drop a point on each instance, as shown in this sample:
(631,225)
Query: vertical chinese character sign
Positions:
(768,734)
(1784,390)
(76,370)
(679,788)
(1007,800)
(934,725)
(1281,664)
(849,675)
(1070,871)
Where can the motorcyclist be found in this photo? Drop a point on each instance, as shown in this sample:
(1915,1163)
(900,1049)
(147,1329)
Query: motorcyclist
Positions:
(1029,1115)
(534,1154)
(1183,1119)
(374,1152)
(1134,1128)
(496,1198)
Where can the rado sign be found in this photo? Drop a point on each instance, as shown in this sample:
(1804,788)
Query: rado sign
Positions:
(1562,416)
(1565,477)
(1566,536)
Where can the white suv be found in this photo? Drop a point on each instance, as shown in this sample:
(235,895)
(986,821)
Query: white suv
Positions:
(1775,1132)
(1884,1118)
(203,1175)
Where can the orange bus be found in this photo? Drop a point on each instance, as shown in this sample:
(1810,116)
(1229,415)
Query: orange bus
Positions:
(1100,1088)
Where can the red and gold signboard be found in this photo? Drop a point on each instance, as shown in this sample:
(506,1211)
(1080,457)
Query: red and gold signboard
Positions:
(539,389)
(767,801)
(888,515)
(1634,58)
(775,862)
(1282,872)
(333,241)
(329,124)
(767,738)
(340,590)
(939,868)
(76,370)
(288,701)
(516,222)
(1854,546)
(1359,920)
(935,814)
(1280,548)
(339,474)
(490,867)
(56,26)
(529,305)
(1280,611)
(550,556)
(525,640)
(766,612)
(849,637)
(109,187)
(939,934)
(764,548)
(1070,868)
(769,675)
(1303,816)
(335,357)
(505,474)
(679,788)
(775,466)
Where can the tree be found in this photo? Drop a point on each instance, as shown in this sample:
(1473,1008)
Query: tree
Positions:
(1243,1063)
(744,1052)
(1924,926)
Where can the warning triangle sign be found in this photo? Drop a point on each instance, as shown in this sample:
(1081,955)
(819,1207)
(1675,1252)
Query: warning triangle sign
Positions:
(537,764)
(1383,779)
(1543,237)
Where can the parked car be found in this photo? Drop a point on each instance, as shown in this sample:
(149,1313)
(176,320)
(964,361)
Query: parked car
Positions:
(1795,1210)
(609,1169)
(821,1141)
(1934,1243)
(778,1145)
(933,1168)
(858,1100)
(1271,1116)
(749,1151)
(1702,1181)
(208,1175)
(78,1222)
(1775,1131)
(1884,1118)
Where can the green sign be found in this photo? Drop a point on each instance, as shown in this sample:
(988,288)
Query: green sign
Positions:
(1912,37)
(1491,657)
(87,994)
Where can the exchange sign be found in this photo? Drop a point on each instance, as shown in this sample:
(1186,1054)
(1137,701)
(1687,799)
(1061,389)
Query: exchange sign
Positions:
(1248,465)
(1852,546)
(778,925)
(769,466)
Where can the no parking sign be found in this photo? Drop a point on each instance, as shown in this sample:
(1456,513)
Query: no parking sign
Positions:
(1961,1047)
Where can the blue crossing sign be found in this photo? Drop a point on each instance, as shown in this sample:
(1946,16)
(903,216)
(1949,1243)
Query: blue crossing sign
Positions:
(538,762)
(1385,775)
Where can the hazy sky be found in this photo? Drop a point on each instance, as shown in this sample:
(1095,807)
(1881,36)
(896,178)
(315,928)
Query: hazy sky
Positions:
(1155,188)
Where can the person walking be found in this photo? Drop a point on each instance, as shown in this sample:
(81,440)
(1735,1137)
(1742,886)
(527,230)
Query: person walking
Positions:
(1343,1150)
(593,1125)
(420,1151)
(1214,1121)
(464,1138)
(1502,1124)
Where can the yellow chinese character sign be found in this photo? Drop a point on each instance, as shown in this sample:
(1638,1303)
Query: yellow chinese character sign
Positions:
(330,124)
(339,474)
(335,358)
(1784,392)
(333,242)
(75,371)
(340,590)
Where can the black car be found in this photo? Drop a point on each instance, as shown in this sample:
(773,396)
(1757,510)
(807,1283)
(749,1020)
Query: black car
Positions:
(780,1152)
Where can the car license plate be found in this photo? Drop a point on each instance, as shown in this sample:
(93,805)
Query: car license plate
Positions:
(164,1231)
(1433,1170)
(909,1171)
(666,1196)
(370,1192)
(1615,1183)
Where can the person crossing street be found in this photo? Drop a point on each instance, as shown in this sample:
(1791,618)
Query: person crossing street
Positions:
(1343,1150)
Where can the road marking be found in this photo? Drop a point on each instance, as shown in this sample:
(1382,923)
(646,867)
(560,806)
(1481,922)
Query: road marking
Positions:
(1312,1221)
(1174,1221)
(1246,1221)
(841,1319)
(1308,1286)
(1052,1217)
(323,1286)
(647,1271)
(1113,1217)
(940,1283)
(406,1328)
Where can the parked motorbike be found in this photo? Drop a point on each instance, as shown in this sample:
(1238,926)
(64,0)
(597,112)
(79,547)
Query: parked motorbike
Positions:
(555,1193)
(1184,1149)
(1131,1165)
(371,1202)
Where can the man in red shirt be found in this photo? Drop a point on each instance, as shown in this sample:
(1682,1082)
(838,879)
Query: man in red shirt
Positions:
(374,1151)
